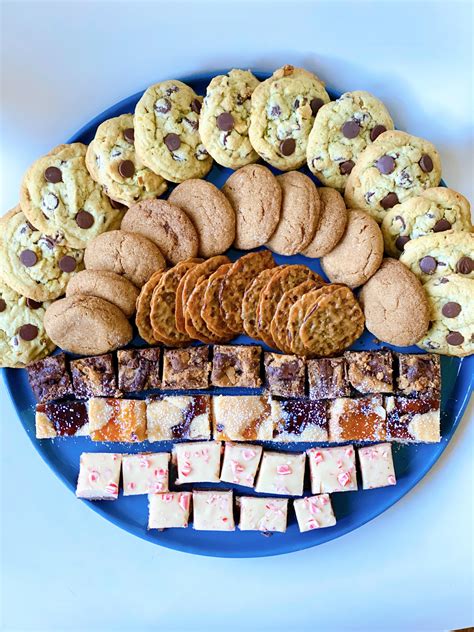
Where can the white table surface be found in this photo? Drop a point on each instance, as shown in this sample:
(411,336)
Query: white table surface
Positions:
(63,567)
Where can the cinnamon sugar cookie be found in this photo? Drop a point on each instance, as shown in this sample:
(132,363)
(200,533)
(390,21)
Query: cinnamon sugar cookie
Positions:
(107,285)
(331,226)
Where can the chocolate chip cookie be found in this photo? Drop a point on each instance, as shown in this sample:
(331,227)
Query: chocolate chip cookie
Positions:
(331,225)
(113,163)
(341,131)
(167,132)
(225,117)
(282,115)
(107,285)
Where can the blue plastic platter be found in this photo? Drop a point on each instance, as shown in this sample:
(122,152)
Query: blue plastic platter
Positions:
(352,509)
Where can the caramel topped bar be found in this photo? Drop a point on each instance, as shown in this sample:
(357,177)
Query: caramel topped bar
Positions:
(236,365)
(186,368)
(370,371)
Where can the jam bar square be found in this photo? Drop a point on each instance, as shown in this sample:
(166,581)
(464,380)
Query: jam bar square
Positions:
(213,511)
(94,377)
(281,473)
(411,420)
(169,510)
(242,418)
(285,375)
(418,374)
(299,420)
(145,473)
(139,369)
(49,378)
(332,469)
(376,466)
(314,512)
(357,419)
(234,365)
(240,463)
(99,476)
(117,419)
(186,368)
(197,462)
(370,371)
(327,378)
(179,417)
(61,419)
(263,514)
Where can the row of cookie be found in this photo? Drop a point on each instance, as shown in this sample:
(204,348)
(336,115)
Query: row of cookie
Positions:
(243,418)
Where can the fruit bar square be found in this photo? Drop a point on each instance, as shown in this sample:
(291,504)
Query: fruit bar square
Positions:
(179,417)
(61,419)
(299,420)
(357,419)
(242,418)
(412,420)
(117,419)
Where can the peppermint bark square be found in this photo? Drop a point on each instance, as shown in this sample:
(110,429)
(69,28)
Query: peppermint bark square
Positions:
(186,368)
(117,419)
(299,420)
(139,369)
(411,420)
(376,466)
(61,419)
(242,418)
(145,473)
(94,377)
(49,378)
(171,417)
(332,469)
(236,365)
(198,462)
(285,375)
(357,419)
(327,378)
(370,371)
(213,511)
(169,510)
(314,512)
(99,476)
(281,473)
(419,374)
(263,514)
(240,463)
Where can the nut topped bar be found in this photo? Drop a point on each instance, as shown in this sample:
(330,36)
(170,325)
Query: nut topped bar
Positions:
(139,369)
(370,371)
(236,365)
(419,373)
(186,368)
(327,378)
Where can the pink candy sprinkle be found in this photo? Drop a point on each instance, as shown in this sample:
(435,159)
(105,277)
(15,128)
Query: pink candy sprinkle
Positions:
(339,464)
(312,523)
(94,476)
(184,501)
(156,487)
(312,505)
(344,479)
(144,463)
(284,470)
(112,488)
(160,472)
(349,452)
(167,498)
(248,454)
(186,468)
(318,457)
(236,467)
(323,500)
(391,480)
(131,486)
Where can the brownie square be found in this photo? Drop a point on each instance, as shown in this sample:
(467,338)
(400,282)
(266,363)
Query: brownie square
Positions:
(327,378)
(370,371)
(94,377)
(419,373)
(285,375)
(412,420)
(49,378)
(139,369)
(186,368)
(234,365)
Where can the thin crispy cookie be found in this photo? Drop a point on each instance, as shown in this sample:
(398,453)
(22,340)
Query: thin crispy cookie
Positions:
(142,317)
(211,311)
(251,299)
(195,324)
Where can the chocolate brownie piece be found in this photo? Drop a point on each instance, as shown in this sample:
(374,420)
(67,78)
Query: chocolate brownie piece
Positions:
(327,378)
(236,365)
(139,369)
(285,375)
(419,373)
(413,419)
(186,368)
(49,378)
(94,377)
(370,371)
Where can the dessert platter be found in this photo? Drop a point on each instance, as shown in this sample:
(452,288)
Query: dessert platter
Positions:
(236,311)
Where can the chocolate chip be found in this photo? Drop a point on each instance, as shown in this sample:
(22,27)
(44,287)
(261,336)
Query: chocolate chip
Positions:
(196,106)
(28,258)
(3,305)
(315,104)
(30,225)
(84,219)
(346,167)
(401,241)
(225,121)
(389,200)
(385,164)
(67,264)
(428,264)
(350,129)
(376,131)
(401,220)
(296,104)
(287,146)
(451,309)
(126,168)
(32,304)
(426,164)
(454,338)
(441,225)
(465,265)
(53,175)
(165,106)
(275,111)
(116,205)
(48,242)
(50,201)
(172,141)
(28,332)
(129,135)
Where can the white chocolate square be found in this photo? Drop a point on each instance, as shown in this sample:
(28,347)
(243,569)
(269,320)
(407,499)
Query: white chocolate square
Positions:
(242,418)
(376,465)
(332,469)
(145,473)
(168,510)
(213,511)
(281,473)
(197,462)
(99,476)
(263,514)
(240,463)
(314,512)
(179,417)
